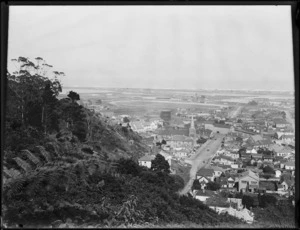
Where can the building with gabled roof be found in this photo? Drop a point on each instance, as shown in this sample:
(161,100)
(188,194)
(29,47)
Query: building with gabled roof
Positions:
(146,160)
(248,181)
(290,165)
(205,172)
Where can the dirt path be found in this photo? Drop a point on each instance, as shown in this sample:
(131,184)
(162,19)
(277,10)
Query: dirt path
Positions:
(203,157)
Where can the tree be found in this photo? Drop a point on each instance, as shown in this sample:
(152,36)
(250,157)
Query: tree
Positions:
(128,166)
(73,96)
(196,185)
(201,140)
(248,201)
(80,130)
(29,88)
(126,120)
(213,186)
(163,142)
(159,164)
(268,169)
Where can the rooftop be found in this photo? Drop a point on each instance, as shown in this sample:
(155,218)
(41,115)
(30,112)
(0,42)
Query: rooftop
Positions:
(172,132)
(147,158)
(205,172)
(221,126)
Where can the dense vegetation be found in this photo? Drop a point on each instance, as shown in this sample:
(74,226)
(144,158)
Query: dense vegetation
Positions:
(269,210)
(64,163)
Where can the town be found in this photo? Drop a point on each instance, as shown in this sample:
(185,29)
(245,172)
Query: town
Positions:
(255,154)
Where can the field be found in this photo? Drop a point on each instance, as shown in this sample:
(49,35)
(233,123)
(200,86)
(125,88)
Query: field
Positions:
(143,107)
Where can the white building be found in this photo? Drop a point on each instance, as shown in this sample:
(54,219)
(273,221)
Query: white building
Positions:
(146,160)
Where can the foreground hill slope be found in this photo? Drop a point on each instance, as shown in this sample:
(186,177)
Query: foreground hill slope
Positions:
(65,164)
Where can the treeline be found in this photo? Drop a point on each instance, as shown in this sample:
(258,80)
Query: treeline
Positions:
(32,107)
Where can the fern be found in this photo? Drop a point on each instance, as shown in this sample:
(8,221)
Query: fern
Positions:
(14,173)
(35,183)
(44,153)
(23,164)
(14,186)
(32,157)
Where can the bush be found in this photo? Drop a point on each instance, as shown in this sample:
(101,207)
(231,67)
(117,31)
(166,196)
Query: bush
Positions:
(247,201)
(265,200)
(128,166)
(213,186)
(268,169)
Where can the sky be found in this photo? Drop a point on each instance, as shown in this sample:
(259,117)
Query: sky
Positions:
(178,47)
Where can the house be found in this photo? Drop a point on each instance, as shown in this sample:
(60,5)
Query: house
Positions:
(236,201)
(256,156)
(225,167)
(180,152)
(150,126)
(255,138)
(280,123)
(146,160)
(282,163)
(268,158)
(251,150)
(205,172)
(218,204)
(203,182)
(178,141)
(217,170)
(290,165)
(265,143)
(235,165)
(245,156)
(287,184)
(283,152)
(224,160)
(234,155)
(226,182)
(203,195)
(248,181)
(287,138)
(137,126)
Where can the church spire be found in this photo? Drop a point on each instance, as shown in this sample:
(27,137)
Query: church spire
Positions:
(192,123)
(192,131)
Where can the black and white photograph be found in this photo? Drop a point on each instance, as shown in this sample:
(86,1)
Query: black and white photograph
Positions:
(149,116)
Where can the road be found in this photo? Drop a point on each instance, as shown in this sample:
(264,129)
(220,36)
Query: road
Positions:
(204,154)
(290,119)
(235,112)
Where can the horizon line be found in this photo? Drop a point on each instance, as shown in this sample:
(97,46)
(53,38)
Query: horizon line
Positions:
(101,87)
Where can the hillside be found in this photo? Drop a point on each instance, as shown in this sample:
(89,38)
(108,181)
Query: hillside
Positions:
(65,164)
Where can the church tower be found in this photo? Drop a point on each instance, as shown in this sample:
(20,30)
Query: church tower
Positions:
(192,130)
